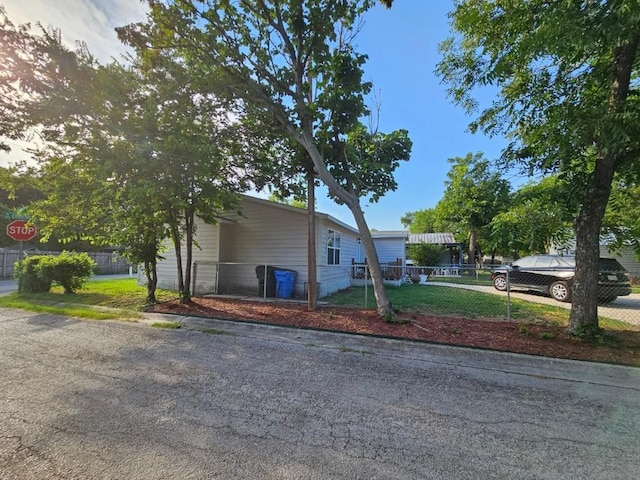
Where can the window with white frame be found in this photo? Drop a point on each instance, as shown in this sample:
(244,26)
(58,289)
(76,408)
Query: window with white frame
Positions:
(333,248)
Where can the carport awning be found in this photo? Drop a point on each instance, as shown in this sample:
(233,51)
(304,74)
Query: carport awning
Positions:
(442,238)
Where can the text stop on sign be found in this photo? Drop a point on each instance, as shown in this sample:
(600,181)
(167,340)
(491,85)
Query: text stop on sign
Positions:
(21,230)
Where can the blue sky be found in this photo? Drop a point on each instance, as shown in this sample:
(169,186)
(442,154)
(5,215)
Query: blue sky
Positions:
(402,44)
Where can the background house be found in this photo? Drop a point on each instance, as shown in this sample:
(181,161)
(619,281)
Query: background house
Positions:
(392,245)
(392,248)
(266,233)
(453,249)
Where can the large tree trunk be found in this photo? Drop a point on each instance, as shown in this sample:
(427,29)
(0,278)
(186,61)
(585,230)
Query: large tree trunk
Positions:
(151,274)
(472,247)
(312,277)
(189,233)
(353,203)
(177,248)
(583,319)
(383,303)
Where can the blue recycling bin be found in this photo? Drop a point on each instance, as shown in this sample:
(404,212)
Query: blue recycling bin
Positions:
(285,281)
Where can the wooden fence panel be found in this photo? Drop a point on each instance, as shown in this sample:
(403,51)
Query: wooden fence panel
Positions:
(106,262)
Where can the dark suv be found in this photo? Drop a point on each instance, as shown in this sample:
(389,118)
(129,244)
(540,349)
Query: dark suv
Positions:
(553,275)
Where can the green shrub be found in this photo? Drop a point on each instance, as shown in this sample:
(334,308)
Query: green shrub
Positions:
(425,254)
(70,270)
(30,276)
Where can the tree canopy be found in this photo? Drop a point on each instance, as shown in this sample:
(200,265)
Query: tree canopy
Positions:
(421,221)
(296,62)
(566,74)
(539,215)
(622,218)
(474,194)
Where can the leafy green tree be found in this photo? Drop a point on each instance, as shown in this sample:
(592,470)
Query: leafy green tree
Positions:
(19,186)
(21,58)
(622,218)
(297,63)
(474,194)
(292,202)
(103,189)
(539,216)
(566,74)
(36,68)
(198,177)
(117,135)
(421,221)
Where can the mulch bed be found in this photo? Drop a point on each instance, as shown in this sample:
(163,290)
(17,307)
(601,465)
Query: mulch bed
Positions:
(622,347)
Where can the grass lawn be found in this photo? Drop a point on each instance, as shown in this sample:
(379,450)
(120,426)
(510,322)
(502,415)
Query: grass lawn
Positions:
(480,278)
(123,298)
(445,301)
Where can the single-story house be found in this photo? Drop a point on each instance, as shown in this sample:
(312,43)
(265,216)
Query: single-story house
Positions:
(233,253)
(392,245)
(451,257)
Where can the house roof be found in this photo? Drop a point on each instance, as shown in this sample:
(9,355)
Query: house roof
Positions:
(390,234)
(439,238)
(300,211)
(442,238)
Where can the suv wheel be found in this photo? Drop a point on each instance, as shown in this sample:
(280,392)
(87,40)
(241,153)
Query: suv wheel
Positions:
(500,283)
(560,291)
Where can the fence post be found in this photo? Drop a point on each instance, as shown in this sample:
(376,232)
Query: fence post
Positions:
(264,290)
(366,284)
(193,281)
(508,294)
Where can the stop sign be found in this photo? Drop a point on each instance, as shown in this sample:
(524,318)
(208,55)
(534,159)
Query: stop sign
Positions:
(18,230)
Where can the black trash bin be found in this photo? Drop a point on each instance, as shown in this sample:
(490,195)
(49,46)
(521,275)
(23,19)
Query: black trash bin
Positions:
(270,277)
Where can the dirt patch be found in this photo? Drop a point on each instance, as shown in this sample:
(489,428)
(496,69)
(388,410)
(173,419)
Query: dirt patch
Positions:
(620,347)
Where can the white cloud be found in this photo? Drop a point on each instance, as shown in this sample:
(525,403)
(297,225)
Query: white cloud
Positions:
(91,21)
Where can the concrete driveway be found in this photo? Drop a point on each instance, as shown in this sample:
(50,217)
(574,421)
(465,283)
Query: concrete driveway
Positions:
(110,400)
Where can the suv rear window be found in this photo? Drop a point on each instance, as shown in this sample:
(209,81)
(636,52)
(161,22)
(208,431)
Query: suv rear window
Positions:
(567,261)
(610,265)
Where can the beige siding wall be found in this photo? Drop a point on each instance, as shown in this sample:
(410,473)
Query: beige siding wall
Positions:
(207,238)
(264,234)
(335,277)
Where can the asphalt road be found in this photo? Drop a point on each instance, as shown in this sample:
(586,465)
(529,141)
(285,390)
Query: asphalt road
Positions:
(115,400)
(7,286)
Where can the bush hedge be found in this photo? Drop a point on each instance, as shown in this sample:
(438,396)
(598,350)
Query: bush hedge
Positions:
(29,274)
(37,273)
